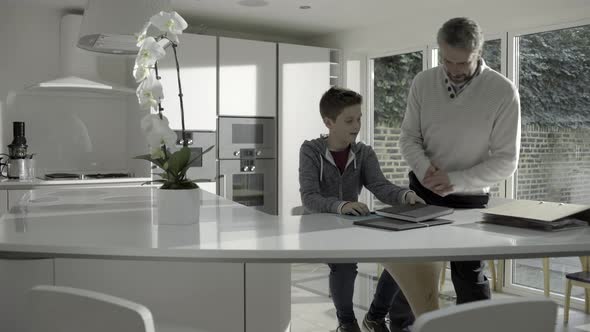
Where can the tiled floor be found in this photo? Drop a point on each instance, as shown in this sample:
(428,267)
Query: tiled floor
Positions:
(313,311)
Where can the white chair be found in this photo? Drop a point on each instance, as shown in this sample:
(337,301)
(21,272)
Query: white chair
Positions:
(581,279)
(512,315)
(64,309)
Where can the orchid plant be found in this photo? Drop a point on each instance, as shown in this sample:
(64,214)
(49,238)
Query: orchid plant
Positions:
(162,31)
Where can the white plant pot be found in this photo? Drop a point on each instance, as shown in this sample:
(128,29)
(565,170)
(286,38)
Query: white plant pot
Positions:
(178,206)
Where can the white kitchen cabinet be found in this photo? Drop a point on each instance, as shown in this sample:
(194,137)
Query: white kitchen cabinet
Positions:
(14,196)
(197,57)
(17,277)
(247,78)
(265,284)
(3,201)
(208,186)
(197,296)
(304,75)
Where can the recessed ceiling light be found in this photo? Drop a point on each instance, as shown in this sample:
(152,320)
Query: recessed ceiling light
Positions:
(304,7)
(253,3)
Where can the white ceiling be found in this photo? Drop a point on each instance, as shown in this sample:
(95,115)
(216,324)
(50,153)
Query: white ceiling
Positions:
(283,17)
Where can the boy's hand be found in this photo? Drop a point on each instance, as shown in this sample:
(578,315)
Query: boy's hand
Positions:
(355,208)
(412,198)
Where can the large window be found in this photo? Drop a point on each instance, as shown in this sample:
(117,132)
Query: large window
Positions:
(553,78)
(551,69)
(392,78)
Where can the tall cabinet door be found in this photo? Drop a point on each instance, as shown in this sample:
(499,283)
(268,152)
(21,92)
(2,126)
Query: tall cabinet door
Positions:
(197,57)
(304,75)
(247,78)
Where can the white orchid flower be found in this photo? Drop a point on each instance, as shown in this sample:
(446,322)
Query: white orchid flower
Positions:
(140,72)
(171,23)
(157,132)
(150,52)
(149,92)
(142,34)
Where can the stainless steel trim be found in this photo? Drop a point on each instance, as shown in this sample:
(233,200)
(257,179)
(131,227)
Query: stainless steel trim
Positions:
(228,149)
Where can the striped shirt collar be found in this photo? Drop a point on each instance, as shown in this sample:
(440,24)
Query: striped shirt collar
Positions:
(455,89)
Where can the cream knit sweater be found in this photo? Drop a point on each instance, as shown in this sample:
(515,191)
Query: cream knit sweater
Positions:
(474,137)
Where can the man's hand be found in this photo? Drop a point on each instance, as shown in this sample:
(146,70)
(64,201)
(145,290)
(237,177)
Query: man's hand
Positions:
(355,208)
(438,182)
(412,198)
(430,171)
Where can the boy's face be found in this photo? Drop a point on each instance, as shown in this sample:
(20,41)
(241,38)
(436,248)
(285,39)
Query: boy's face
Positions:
(347,125)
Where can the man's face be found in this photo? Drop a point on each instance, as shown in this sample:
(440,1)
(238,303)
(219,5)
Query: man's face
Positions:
(459,63)
(347,125)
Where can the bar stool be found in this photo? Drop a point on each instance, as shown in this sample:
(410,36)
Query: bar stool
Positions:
(581,279)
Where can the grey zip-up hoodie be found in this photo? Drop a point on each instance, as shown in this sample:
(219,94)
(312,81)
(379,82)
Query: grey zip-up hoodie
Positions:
(324,190)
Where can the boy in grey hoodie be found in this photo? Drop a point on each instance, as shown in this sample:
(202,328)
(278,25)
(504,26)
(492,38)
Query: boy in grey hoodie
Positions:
(332,172)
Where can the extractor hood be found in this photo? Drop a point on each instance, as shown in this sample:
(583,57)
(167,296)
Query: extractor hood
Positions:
(79,68)
(109,26)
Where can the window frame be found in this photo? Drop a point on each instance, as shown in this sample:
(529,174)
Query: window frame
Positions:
(512,71)
(365,196)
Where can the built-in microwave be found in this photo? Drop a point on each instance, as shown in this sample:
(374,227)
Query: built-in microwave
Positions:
(250,135)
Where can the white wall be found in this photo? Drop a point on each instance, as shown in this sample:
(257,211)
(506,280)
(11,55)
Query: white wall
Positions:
(67,130)
(29,52)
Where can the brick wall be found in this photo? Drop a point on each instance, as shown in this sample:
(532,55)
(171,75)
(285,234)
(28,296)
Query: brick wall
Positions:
(554,163)
(386,146)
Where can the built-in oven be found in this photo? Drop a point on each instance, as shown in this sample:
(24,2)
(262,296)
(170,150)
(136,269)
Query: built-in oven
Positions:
(249,182)
(247,162)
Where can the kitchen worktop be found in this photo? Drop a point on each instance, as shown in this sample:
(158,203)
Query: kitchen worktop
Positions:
(37,182)
(123,223)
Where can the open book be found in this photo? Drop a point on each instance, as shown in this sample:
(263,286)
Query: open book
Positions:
(547,216)
(415,213)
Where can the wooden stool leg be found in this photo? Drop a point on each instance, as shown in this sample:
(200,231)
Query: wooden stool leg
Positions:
(492,265)
(587,300)
(443,276)
(500,271)
(546,276)
(566,305)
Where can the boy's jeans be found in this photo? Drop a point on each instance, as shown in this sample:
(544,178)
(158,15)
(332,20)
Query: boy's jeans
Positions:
(388,297)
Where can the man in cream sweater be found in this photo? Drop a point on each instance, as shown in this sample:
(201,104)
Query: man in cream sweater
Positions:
(461,134)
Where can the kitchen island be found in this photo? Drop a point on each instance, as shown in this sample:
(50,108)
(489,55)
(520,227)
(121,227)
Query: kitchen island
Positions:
(233,264)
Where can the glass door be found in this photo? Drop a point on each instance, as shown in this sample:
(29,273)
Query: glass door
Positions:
(551,69)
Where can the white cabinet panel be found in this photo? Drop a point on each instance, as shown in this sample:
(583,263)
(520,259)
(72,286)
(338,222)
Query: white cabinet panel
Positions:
(202,296)
(268,297)
(197,57)
(208,186)
(304,75)
(3,201)
(247,78)
(14,196)
(17,277)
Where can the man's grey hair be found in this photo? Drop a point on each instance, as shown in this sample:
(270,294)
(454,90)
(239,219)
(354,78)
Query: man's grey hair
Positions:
(461,32)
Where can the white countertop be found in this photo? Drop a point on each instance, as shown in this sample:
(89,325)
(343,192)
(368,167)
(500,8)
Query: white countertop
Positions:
(30,184)
(122,223)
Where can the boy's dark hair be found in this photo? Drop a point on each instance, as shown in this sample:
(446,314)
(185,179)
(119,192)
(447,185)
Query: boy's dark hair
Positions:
(336,99)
